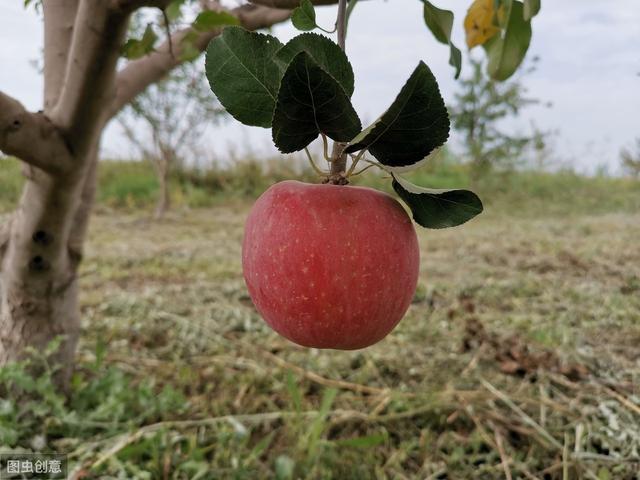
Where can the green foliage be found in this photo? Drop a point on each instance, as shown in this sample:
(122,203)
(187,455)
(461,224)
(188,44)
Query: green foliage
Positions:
(210,20)
(531,9)
(132,186)
(174,10)
(304,16)
(324,52)
(408,131)
(311,102)
(503,28)
(506,52)
(11,181)
(127,184)
(313,97)
(433,208)
(243,74)
(135,48)
(102,400)
(440,22)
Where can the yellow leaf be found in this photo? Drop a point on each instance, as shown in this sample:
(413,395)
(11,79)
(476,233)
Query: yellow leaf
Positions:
(479,23)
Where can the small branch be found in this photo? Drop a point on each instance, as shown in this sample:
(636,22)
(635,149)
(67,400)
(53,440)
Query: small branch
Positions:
(58,29)
(341,23)
(168,30)
(325,147)
(32,137)
(137,75)
(339,158)
(98,34)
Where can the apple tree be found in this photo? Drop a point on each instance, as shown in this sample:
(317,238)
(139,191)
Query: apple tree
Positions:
(86,83)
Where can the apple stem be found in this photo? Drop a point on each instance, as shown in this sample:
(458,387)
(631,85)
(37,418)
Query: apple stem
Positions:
(338,157)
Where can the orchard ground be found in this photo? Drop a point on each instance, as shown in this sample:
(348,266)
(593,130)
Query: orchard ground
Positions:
(519,357)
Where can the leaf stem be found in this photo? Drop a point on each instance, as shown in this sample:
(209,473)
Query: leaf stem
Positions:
(327,31)
(325,145)
(355,162)
(313,163)
(363,169)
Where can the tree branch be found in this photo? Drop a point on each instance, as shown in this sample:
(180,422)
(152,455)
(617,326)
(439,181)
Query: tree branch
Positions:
(87,89)
(139,74)
(32,137)
(59,16)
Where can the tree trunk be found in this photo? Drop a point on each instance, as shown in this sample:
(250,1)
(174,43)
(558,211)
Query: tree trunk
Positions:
(164,195)
(38,276)
(41,245)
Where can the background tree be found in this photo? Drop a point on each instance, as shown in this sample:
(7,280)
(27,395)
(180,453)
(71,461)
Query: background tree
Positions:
(480,110)
(630,159)
(167,121)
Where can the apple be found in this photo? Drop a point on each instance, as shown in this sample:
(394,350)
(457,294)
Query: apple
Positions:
(330,266)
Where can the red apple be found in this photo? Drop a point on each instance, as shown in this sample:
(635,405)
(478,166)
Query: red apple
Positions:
(330,266)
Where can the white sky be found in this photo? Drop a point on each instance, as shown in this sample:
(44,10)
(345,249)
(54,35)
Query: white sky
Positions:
(589,69)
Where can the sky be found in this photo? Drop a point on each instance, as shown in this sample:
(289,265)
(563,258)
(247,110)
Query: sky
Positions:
(589,70)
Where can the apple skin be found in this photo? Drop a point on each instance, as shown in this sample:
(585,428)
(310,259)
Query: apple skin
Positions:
(330,266)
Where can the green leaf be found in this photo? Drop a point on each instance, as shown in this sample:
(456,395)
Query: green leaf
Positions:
(416,123)
(440,22)
(505,53)
(304,16)
(174,10)
(294,392)
(319,423)
(188,49)
(210,20)
(362,442)
(243,74)
(311,101)
(284,467)
(134,48)
(325,52)
(435,208)
(531,9)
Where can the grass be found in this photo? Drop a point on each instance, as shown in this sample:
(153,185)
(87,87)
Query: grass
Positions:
(517,359)
(132,186)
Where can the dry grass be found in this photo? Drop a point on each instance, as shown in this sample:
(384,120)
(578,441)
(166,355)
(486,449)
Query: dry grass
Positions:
(437,399)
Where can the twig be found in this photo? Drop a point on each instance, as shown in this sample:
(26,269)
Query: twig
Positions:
(526,418)
(623,400)
(503,455)
(341,23)
(565,458)
(168,30)
(314,377)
